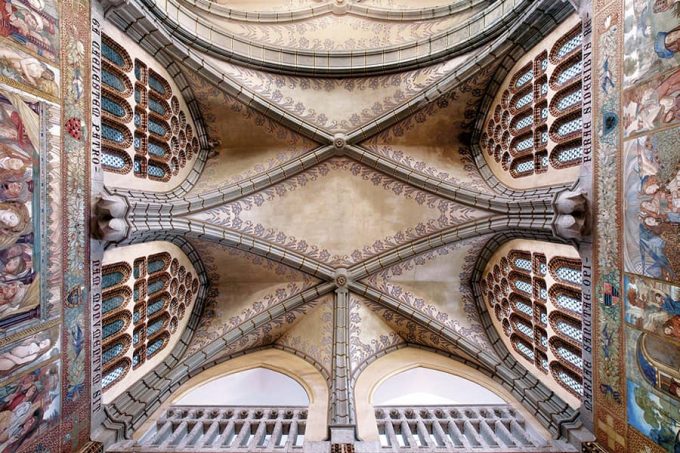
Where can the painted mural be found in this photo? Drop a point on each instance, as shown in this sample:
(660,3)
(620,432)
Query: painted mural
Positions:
(652,204)
(19,216)
(652,38)
(33,349)
(32,24)
(29,406)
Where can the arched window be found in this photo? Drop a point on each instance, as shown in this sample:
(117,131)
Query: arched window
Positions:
(534,294)
(115,373)
(424,408)
(516,139)
(155,119)
(143,303)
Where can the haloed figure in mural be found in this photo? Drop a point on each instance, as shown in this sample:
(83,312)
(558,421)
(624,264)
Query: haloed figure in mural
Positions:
(18,277)
(28,405)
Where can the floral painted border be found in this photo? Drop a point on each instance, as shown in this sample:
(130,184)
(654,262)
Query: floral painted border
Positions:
(475,333)
(450,213)
(210,329)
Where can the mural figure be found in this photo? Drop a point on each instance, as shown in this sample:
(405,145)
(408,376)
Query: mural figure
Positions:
(652,306)
(28,406)
(19,66)
(654,417)
(32,24)
(652,203)
(652,38)
(36,347)
(19,279)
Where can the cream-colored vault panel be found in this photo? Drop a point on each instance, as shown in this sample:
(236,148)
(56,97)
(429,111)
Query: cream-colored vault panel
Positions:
(248,143)
(337,105)
(437,284)
(313,334)
(340,212)
(241,286)
(435,139)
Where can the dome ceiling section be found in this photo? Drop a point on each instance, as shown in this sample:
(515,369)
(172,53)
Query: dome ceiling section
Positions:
(338,105)
(312,213)
(246,142)
(197,32)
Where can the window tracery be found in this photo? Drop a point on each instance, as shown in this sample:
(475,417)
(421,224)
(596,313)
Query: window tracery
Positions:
(535,124)
(145,132)
(142,306)
(536,300)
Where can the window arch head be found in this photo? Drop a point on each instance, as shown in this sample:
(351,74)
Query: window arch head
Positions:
(148,135)
(542,89)
(148,293)
(532,290)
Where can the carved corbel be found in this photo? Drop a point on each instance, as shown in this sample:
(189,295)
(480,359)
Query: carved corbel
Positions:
(572,216)
(110,222)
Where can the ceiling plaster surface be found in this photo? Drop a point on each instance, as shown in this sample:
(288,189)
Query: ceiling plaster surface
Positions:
(313,334)
(249,143)
(437,284)
(242,285)
(435,140)
(337,105)
(331,32)
(368,332)
(340,212)
(268,5)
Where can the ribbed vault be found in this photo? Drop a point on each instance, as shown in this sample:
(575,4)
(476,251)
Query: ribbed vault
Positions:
(335,193)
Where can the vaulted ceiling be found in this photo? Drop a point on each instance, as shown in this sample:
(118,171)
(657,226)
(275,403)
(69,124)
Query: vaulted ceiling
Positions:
(334,165)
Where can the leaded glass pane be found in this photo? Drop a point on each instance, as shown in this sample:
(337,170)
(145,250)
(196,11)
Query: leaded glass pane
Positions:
(570,357)
(156,84)
(525,166)
(154,327)
(154,347)
(155,266)
(154,307)
(570,100)
(524,79)
(524,308)
(566,155)
(113,328)
(524,100)
(569,302)
(111,303)
(112,352)
(112,160)
(524,349)
(569,274)
(155,171)
(113,107)
(569,330)
(569,46)
(113,375)
(569,73)
(156,150)
(157,128)
(523,286)
(569,381)
(112,54)
(524,122)
(523,264)
(112,134)
(525,329)
(569,127)
(525,144)
(113,81)
(156,286)
(157,107)
(110,279)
